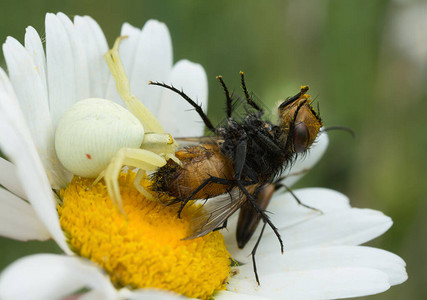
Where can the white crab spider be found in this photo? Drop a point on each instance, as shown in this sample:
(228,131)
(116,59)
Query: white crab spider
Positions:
(95,138)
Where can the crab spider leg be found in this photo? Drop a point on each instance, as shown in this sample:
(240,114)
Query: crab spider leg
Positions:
(135,106)
(159,143)
(137,183)
(162,144)
(138,158)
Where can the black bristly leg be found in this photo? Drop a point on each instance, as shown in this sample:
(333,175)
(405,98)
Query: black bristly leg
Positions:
(299,201)
(256,206)
(254,252)
(224,225)
(196,106)
(267,141)
(278,185)
(201,186)
(248,98)
(227,96)
(240,156)
(266,221)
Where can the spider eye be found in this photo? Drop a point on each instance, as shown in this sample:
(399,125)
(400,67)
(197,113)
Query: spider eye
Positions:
(301,137)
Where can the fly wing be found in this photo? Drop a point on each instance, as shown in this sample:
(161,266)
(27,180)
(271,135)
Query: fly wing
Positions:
(215,211)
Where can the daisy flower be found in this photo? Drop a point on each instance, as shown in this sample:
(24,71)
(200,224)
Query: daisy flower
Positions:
(107,256)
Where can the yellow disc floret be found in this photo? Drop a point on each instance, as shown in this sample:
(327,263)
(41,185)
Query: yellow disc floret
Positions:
(144,249)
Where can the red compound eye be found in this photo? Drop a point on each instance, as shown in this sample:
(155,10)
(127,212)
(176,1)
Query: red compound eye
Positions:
(301,137)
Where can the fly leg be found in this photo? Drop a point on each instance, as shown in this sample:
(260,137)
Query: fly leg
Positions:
(254,251)
(249,217)
(196,106)
(299,201)
(229,101)
(201,186)
(278,185)
(265,219)
(264,216)
(247,96)
(224,225)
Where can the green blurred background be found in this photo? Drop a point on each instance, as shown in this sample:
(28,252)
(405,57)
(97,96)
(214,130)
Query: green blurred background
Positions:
(365,61)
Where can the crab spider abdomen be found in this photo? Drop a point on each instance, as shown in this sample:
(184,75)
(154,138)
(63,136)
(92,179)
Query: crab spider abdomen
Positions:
(91,132)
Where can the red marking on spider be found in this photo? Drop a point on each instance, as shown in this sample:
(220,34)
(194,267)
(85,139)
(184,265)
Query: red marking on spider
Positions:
(88,156)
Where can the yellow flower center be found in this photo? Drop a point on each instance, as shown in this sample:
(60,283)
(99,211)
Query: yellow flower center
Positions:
(146,249)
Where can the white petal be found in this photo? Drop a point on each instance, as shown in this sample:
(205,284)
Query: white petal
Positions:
(304,163)
(236,295)
(58,176)
(285,212)
(29,90)
(127,52)
(34,47)
(16,144)
(80,61)
(66,66)
(321,258)
(148,294)
(314,284)
(18,220)
(95,46)
(33,100)
(60,65)
(91,295)
(49,276)
(176,115)
(153,61)
(346,227)
(130,44)
(9,178)
(9,100)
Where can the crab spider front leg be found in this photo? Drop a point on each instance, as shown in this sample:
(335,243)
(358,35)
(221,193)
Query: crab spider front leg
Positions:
(147,119)
(157,144)
(137,158)
(136,107)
